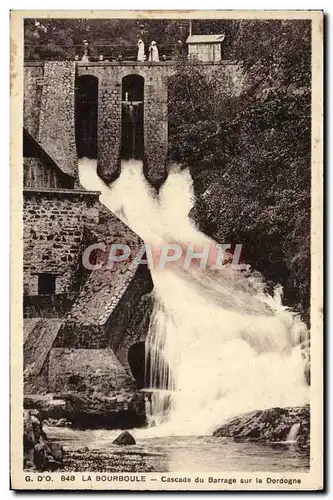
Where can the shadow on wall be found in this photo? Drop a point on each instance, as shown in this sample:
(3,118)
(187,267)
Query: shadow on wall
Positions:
(140,366)
(86,114)
(132,123)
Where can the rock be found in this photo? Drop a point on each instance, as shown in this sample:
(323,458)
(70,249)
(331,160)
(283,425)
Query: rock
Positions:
(47,406)
(29,440)
(306,354)
(83,450)
(271,425)
(32,431)
(125,438)
(28,464)
(91,411)
(61,422)
(39,453)
(57,451)
(48,456)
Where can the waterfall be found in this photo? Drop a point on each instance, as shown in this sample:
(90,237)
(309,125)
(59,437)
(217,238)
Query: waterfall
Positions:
(218,344)
(293,433)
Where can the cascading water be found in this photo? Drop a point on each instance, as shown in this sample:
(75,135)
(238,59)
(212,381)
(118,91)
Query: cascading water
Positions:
(220,345)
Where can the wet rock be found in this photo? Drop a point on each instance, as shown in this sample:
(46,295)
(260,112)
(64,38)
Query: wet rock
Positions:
(48,456)
(306,355)
(47,405)
(121,409)
(57,451)
(62,422)
(125,438)
(85,449)
(39,453)
(271,425)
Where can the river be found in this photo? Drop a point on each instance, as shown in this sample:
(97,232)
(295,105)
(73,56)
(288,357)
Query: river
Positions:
(229,346)
(188,454)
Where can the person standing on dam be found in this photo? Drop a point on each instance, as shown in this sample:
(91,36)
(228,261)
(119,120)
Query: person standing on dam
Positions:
(141,50)
(153,52)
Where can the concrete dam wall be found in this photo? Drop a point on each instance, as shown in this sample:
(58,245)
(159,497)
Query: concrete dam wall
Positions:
(53,113)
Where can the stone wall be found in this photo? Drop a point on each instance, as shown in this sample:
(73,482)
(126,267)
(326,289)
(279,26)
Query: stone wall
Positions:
(156,126)
(108,320)
(155,76)
(57,124)
(46,306)
(109,116)
(126,307)
(136,331)
(53,234)
(37,174)
(49,110)
(229,75)
(35,354)
(86,370)
(109,126)
(33,87)
(109,119)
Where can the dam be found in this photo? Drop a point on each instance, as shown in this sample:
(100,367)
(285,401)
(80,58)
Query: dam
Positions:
(95,157)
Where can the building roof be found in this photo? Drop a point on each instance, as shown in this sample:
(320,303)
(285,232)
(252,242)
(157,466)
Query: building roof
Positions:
(44,155)
(205,39)
(104,287)
(39,341)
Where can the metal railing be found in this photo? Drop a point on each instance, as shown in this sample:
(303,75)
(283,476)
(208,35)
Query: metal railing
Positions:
(115,53)
(97,52)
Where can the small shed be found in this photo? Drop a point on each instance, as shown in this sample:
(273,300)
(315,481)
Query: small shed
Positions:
(206,48)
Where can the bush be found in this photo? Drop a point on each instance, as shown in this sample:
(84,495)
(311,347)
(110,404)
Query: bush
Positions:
(250,153)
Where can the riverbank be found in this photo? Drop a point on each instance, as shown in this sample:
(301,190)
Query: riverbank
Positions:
(254,441)
(94,451)
(119,410)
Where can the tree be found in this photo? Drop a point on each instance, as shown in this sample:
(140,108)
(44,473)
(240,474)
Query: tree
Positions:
(250,154)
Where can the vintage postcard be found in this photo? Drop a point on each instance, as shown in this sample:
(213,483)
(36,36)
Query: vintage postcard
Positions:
(166,250)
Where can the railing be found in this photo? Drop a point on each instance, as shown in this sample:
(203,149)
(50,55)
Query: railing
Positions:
(120,53)
(99,52)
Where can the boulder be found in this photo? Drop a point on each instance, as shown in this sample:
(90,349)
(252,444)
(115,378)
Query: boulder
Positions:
(39,453)
(47,405)
(272,425)
(29,440)
(83,450)
(123,409)
(119,410)
(57,451)
(125,439)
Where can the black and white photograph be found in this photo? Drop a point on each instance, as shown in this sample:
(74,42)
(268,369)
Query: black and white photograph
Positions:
(167,298)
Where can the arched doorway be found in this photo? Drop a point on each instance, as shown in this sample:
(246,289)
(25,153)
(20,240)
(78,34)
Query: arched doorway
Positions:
(132,143)
(86,113)
(140,366)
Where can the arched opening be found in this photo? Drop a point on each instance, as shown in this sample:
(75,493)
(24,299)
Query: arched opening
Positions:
(140,366)
(136,360)
(86,112)
(132,117)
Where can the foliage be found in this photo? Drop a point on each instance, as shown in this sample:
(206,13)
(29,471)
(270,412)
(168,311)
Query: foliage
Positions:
(63,38)
(250,154)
